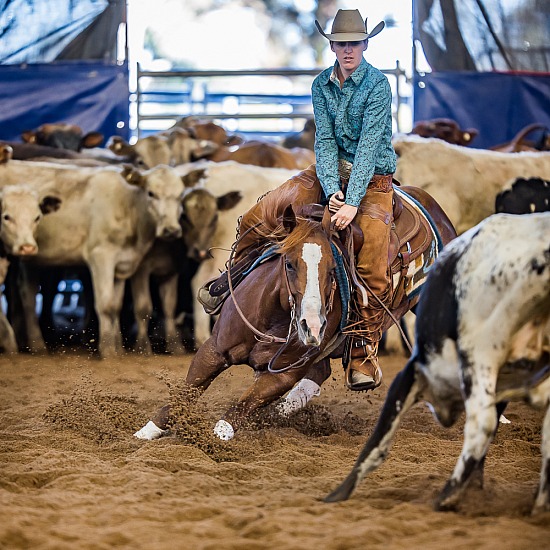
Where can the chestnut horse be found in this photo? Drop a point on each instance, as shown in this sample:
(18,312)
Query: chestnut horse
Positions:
(284,319)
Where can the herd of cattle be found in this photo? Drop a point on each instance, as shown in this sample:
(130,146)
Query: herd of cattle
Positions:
(166,208)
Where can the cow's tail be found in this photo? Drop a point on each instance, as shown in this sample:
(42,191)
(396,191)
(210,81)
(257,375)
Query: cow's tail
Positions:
(403,393)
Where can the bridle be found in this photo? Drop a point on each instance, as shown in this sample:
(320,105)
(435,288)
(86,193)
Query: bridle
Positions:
(270,338)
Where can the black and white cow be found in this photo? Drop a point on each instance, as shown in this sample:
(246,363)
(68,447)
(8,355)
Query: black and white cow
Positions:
(482,339)
(525,196)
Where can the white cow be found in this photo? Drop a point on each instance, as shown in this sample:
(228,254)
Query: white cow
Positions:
(252,182)
(108,221)
(482,339)
(167,261)
(21,209)
(463,180)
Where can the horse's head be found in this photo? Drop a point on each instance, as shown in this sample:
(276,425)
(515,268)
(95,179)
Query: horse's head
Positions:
(309,266)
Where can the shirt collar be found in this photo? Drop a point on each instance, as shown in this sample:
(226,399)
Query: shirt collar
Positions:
(356,76)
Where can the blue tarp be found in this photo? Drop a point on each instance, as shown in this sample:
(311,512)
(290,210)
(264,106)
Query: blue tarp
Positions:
(37,31)
(91,95)
(498,104)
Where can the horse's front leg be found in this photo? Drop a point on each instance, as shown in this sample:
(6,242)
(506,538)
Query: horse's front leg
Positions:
(207,364)
(267,387)
(306,389)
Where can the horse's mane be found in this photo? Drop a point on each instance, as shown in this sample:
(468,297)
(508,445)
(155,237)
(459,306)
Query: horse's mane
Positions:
(269,219)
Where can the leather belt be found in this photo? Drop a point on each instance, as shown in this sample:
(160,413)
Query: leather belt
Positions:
(379,182)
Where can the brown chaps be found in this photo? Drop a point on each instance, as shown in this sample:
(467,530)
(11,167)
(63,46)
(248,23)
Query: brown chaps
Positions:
(374,217)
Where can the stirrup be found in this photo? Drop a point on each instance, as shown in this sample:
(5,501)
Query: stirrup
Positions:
(211,304)
(362,371)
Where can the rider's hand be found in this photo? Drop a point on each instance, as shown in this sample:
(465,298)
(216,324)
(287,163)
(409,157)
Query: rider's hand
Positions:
(336,202)
(344,216)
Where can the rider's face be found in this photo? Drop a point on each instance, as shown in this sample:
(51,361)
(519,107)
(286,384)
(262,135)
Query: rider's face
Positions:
(349,54)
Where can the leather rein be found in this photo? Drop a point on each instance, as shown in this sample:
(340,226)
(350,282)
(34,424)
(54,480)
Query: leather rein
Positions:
(270,338)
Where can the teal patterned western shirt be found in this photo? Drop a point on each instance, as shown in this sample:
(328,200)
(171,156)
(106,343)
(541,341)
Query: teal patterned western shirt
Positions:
(353,123)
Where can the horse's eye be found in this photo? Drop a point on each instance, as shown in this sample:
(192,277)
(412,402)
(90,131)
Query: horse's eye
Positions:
(289,266)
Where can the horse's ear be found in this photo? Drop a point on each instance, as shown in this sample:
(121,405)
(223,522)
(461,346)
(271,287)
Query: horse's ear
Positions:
(289,219)
(325,223)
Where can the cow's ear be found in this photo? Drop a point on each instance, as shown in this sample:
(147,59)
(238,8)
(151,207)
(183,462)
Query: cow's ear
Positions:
(91,139)
(289,219)
(29,136)
(192,178)
(229,200)
(119,146)
(50,204)
(131,174)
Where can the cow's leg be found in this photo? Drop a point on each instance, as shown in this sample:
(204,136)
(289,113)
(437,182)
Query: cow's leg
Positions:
(307,388)
(169,298)
(201,319)
(402,395)
(542,501)
(267,387)
(7,336)
(478,474)
(108,301)
(28,289)
(205,367)
(479,383)
(143,307)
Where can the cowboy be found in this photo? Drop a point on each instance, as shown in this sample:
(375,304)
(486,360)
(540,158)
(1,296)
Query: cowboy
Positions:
(355,161)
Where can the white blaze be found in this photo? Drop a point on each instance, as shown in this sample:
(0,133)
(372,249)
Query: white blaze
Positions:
(311,303)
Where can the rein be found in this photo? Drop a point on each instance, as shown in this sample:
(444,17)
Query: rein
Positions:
(262,336)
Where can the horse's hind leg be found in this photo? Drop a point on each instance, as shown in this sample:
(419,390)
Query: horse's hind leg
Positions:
(206,365)
(267,387)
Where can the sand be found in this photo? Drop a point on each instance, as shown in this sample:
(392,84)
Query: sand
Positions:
(72,476)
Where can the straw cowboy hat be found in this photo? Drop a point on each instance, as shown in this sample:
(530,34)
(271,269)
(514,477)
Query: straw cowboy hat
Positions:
(348,26)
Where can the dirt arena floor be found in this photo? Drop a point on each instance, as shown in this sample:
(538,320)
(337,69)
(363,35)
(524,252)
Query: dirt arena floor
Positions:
(73,477)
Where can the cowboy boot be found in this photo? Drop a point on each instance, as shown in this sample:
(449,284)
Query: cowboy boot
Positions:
(363,370)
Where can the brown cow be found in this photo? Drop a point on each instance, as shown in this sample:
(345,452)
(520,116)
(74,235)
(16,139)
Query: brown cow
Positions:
(305,138)
(446,129)
(520,143)
(62,136)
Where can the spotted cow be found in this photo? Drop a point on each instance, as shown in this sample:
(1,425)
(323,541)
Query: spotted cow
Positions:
(482,339)
(524,196)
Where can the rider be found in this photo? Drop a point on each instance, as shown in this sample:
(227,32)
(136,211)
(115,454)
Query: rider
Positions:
(355,160)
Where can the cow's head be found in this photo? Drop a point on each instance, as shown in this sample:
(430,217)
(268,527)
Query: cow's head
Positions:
(21,209)
(199,219)
(63,136)
(6,153)
(163,189)
(169,148)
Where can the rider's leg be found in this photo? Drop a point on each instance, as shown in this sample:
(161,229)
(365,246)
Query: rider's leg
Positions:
(375,216)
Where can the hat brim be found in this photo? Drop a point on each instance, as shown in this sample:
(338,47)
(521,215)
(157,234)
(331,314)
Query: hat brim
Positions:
(350,36)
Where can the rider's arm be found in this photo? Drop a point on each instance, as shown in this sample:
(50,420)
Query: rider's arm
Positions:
(326,149)
(374,120)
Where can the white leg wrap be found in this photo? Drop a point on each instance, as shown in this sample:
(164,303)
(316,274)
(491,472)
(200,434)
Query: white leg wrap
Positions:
(298,397)
(150,431)
(224,430)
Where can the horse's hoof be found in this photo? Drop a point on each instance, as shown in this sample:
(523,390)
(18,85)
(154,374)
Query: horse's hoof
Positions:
(150,431)
(224,430)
